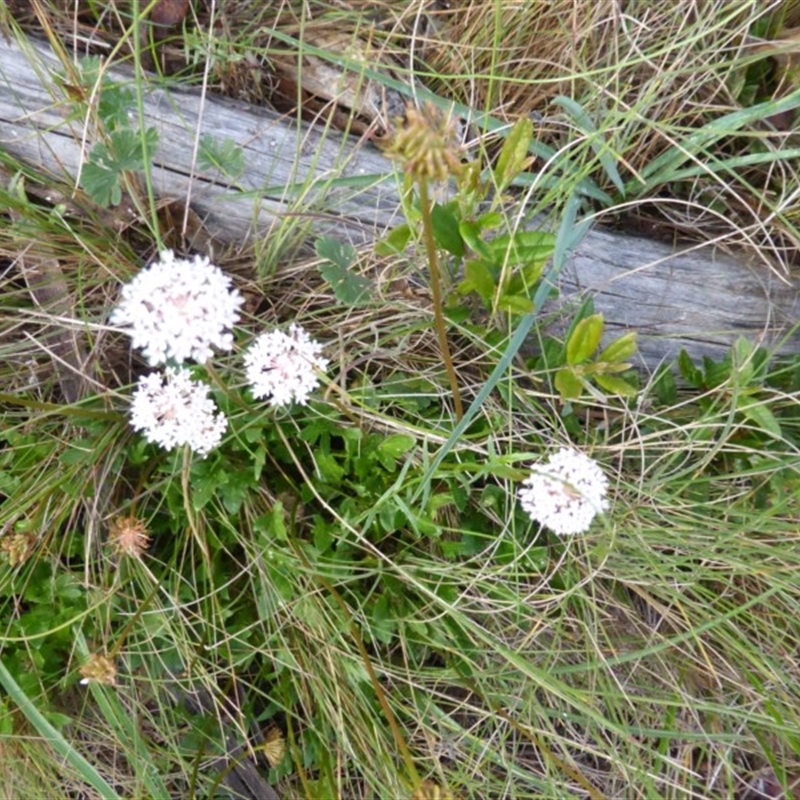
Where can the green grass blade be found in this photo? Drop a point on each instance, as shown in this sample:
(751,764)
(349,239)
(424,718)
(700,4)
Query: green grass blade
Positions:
(54,737)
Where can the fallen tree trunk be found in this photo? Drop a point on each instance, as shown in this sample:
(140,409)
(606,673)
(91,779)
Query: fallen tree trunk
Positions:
(699,299)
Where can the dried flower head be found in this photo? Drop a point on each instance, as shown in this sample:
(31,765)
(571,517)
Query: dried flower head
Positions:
(173,410)
(17,547)
(426,145)
(178,309)
(127,536)
(566,492)
(282,367)
(274,746)
(99,669)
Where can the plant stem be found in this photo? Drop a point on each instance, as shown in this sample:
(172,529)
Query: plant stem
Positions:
(436,288)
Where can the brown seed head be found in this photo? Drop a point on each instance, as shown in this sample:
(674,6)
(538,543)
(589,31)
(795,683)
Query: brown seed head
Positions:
(127,536)
(426,145)
(99,669)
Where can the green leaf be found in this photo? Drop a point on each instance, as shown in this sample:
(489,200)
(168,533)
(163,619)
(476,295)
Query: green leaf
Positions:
(128,149)
(758,413)
(348,287)
(584,339)
(614,385)
(101,184)
(689,372)
(330,471)
(336,251)
(621,349)
(568,384)
(514,156)
(396,241)
(742,355)
(471,233)
(125,150)
(225,156)
(397,445)
(445,229)
(525,280)
(478,277)
(522,247)
(515,304)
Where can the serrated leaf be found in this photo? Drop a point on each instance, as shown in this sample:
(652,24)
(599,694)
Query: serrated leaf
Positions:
(101,184)
(585,339)
(514,156)
(615,385)
(340,253)
(395,242)
(125,150)
(128,149)
(568,384)
(621,349)
(445,229)
(225,156)
(348,287)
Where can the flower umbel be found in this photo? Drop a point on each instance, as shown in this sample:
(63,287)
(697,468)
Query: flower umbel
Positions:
(179,308)
(281,367)
(174,410)
(566,492)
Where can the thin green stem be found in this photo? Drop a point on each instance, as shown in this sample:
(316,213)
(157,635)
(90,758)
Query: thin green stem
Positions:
(436,288)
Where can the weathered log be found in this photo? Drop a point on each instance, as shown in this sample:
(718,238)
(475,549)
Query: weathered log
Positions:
(698,298)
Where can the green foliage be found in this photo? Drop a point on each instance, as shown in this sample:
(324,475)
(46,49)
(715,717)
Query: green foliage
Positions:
(575,377)
(113,101)
(225,156)
(741,378)
(336,269)
(126,150)
(357,574)
(501,268)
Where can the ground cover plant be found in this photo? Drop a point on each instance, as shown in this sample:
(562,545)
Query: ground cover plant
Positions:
(311,521)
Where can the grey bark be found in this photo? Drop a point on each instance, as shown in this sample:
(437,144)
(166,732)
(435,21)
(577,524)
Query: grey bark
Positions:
(697,298)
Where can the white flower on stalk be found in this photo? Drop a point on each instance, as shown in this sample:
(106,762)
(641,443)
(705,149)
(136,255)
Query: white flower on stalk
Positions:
(282,367)
(173,410)
(178,309)
(565,492)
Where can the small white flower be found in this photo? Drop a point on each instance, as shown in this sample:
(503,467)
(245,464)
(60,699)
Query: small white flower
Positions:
(179,308)
(172,410)
(566,492)
(281,367)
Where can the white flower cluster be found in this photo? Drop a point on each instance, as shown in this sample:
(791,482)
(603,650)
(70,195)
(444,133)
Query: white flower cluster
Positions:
(283,367)
(172,410)
(178,309)
(566,492)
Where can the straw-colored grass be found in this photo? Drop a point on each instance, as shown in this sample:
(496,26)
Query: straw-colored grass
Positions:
(347,594)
